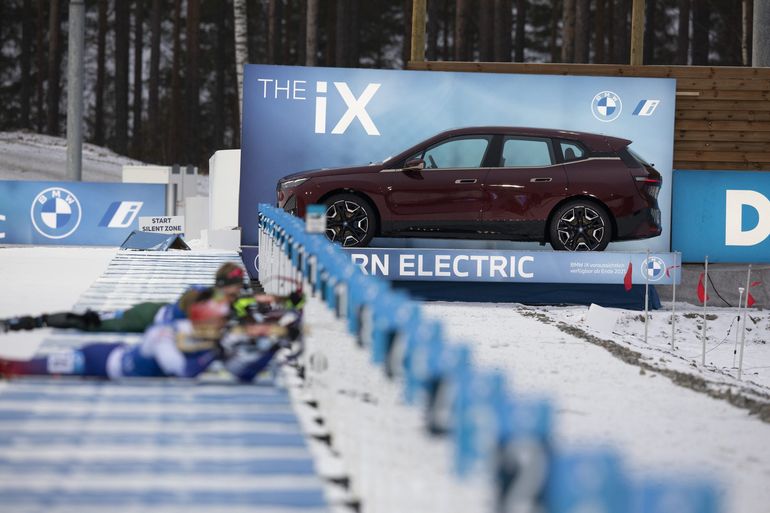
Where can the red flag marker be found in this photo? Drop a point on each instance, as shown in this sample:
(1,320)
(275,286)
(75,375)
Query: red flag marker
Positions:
(750,299)
(702,296)
(628,278)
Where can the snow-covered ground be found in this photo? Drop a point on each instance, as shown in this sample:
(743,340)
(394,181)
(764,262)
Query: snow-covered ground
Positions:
(657,425)
(604,394)
(35,280)
(31,156)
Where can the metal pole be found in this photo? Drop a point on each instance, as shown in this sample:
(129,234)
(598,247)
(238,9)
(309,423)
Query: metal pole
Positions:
(738,327)
(77,16)
(646,270)
(673,310)
(705,300)
(743,330)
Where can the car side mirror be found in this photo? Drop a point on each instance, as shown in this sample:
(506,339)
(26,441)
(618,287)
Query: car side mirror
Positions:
(414,165)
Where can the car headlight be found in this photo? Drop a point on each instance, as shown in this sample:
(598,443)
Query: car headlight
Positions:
(288,184)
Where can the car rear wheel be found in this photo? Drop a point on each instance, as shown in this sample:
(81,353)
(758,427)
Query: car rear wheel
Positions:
(350,220)
(580,226)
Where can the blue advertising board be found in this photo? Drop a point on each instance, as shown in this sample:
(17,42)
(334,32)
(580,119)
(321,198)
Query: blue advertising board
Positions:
(75,213)
(297,118)
(724,215)
(605,267)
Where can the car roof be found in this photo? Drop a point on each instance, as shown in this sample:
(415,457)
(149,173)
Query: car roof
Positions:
(595,142)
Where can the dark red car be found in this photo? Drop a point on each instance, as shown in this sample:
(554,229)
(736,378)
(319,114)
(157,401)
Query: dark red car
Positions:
(576,190)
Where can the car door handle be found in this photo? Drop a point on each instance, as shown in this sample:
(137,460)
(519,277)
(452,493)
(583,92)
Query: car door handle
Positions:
(541,179)
(466,180)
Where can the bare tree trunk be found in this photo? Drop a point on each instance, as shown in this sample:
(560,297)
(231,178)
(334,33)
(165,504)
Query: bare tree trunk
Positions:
(138,49)
(620,32)
(153,106)
(300,42)
(241,44)
(220,70)
(462,32)
(40,64)
(311,33)
(233,105)
(331,32)
(502,28)
(486,31)
(174,134)
(521,24)
(122,21)
(582,37)
(556,11)
(600,54)
(286,32)
(747,15)
(255,14)
(406,48)
(683,35)
(54,61)
(568,32)
(100,73)
(274,16)
(26,63)
(192,79)
(649,32)
(354,53)
(431,49)
(446,51)
(700,33)
(342,33)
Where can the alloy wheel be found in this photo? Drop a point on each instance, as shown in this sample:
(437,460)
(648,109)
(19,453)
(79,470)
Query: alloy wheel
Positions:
(346,222)
(581,228)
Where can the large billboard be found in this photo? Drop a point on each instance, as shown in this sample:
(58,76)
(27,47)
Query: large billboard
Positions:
(724,215)
(297,118)
(75,213)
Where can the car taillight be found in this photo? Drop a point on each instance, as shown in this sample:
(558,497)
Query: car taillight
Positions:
(650,186)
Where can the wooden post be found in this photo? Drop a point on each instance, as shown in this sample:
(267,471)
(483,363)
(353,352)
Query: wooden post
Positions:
(637,33)
(418,31)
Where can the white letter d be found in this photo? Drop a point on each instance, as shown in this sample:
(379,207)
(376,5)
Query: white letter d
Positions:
(734,235)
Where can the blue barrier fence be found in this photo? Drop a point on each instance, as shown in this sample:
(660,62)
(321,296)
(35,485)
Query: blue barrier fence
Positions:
(489,426)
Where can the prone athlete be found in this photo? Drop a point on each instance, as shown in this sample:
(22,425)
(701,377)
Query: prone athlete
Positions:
(229,284)
(182,348)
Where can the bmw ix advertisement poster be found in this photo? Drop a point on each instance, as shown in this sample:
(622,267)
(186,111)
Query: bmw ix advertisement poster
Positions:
(297,119)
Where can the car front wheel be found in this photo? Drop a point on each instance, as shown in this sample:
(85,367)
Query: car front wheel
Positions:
(350,220)
(580,226)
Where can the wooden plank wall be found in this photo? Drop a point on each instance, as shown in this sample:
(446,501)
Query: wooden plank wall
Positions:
(722,113)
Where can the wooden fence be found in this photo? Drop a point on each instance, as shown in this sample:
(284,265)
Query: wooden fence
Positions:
(722,113)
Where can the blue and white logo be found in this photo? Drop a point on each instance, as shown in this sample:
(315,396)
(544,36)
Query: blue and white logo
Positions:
(653,268)
(606,106)
(646,107)
(56,213)
(121,214)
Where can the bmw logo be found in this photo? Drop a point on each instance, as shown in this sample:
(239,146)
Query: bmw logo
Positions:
(56,213)
(606,106)
(653,268)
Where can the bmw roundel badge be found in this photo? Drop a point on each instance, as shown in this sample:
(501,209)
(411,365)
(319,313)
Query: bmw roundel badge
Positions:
(606,106)
(653,268)
(56,213)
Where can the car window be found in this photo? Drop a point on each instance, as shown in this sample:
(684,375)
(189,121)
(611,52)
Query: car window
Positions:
(526,152)
(571,151)
(459,152)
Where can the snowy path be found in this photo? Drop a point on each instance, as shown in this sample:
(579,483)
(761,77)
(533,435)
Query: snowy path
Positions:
(169,445)
(657,425)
